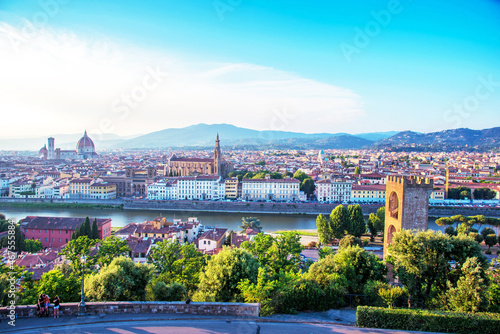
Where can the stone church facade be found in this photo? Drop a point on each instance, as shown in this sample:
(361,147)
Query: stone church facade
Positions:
(179,166)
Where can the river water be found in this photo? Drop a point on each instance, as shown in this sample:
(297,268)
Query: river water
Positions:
(232,221)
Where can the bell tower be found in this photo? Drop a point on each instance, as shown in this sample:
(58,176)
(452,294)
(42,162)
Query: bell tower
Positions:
(217,157)
(406,205)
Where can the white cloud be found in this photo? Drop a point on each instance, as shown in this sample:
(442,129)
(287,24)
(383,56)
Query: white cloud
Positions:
(55,82)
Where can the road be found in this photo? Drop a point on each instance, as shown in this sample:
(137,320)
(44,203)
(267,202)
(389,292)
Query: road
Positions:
(203,327)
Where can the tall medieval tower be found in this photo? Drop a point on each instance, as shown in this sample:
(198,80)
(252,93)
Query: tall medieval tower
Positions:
(51,152)
(406,205)
(217,157)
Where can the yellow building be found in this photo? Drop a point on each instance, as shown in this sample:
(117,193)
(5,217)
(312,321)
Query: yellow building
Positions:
(103,190)
(80,188)
(368,192)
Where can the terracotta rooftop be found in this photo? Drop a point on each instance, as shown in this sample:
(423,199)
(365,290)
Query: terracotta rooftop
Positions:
(57,223)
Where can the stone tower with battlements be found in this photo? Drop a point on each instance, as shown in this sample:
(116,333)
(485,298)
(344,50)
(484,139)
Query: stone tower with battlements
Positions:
(406,205)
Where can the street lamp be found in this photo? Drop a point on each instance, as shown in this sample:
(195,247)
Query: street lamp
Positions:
(81,306)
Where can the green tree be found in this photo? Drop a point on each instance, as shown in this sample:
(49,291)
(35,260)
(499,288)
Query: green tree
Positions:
(87,228)
(339,220)
(422,260)
(284,254)
(458,219)
(476,236)
(359,266)
(55,283)
(325,251)
(357,170)
(259,248)
(276,176)
(260,175)
(390,295)
(111,248)
(373,224)
(308,186)
(300,175)
(250,223)
(449,230)
(470,293)
(260,292)
(324,231)
(484,193)
(494,287)
(459,193)
(357,224)
(94,230)
(349,240)
(164,255)
(490,240)
(444,221)
(158,290)
(187,269)
(122,280)
(32,246)
(487,231)
(219,281)
(380,223)
(74,251)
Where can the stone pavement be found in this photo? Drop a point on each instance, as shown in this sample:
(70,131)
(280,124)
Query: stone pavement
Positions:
(337,317)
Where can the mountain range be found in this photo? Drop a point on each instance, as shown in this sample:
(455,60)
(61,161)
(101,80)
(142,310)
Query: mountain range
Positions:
(203,136)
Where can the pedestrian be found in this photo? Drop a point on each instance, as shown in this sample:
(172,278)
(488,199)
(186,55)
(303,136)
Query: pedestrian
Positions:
(46,300)
(56,302)
(40,307)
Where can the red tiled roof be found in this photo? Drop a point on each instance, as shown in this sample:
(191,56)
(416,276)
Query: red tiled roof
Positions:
(213,235)
(58,223)
(237,240)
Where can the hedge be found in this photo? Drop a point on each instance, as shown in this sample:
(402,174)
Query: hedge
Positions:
(429,321)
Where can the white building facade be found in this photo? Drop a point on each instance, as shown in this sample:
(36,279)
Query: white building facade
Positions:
(287,189)
(328,191)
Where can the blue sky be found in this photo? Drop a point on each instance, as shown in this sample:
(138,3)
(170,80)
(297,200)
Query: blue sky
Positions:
(412,65)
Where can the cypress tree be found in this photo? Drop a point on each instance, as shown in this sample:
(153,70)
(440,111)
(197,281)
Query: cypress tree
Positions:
(87,230)
(95,231)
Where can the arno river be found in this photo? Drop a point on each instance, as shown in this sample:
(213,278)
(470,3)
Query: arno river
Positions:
(225,220)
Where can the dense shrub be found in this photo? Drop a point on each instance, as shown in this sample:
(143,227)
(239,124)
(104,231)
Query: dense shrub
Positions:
(301,295)
(160,291)
(371,292)
(430,321)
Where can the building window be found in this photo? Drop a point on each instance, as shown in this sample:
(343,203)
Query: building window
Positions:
(59,239)
(66,239)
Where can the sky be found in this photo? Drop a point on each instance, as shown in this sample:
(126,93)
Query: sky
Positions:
(134,67)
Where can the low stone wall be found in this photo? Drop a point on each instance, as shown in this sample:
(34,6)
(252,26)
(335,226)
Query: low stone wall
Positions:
(71,309)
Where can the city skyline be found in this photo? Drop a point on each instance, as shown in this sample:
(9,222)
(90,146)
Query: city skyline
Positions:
(126,69)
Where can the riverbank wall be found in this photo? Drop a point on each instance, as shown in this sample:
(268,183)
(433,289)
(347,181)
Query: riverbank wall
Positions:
(232,207)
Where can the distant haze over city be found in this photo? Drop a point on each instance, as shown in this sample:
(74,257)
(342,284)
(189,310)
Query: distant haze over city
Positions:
(203,136)
(130,68)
